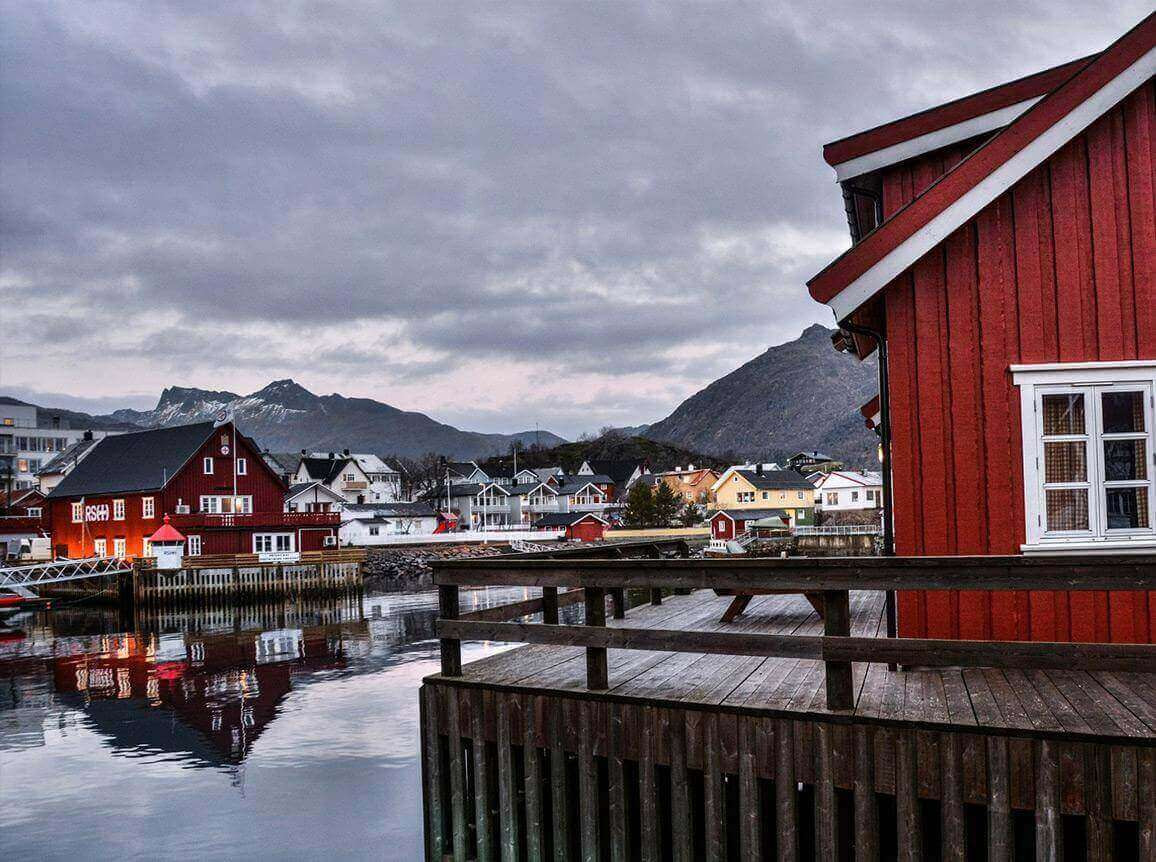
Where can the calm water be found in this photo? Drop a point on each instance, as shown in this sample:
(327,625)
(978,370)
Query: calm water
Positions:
(284,732)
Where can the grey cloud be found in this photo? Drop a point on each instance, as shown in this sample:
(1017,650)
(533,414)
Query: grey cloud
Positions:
(469,177)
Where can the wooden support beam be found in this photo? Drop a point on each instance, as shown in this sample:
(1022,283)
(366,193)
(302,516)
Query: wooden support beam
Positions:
(618,602)
(837,623)
(597,671)
(550,605)
(451,648)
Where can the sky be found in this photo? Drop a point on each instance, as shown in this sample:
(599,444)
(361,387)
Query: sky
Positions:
(501,214)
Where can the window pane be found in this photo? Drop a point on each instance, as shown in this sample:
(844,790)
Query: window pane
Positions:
(1067,510)
(1063,414)
(1125,459)
(1065,462)
(1127,508)
(1123,412)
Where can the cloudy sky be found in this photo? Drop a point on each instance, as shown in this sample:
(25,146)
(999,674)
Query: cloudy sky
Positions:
(568,213)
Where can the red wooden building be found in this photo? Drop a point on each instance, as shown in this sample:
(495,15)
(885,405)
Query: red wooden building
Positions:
(212,482)
(1003,262)
(577,526)
(727,524)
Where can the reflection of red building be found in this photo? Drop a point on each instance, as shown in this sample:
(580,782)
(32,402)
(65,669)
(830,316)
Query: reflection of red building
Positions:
(224,688)
(212,481)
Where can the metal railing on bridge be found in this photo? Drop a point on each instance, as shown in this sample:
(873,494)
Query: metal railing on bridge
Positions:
(20,579)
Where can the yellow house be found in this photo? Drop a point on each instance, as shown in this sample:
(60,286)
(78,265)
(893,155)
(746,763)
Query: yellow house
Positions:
(740,488)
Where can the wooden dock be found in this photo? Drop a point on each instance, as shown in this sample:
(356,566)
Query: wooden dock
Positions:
(664,733)
(231,578)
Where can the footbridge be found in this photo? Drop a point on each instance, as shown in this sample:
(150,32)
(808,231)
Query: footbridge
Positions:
(22,579)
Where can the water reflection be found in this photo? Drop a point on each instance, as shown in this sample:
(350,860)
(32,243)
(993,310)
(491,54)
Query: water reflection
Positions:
(274,705)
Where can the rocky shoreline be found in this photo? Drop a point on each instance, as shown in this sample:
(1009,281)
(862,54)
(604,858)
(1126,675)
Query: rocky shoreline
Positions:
(407,569)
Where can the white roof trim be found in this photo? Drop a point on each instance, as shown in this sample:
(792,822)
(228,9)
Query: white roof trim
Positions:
(930,141)
(992,186)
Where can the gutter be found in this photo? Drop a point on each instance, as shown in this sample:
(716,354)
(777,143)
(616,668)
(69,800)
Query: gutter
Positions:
(885,445)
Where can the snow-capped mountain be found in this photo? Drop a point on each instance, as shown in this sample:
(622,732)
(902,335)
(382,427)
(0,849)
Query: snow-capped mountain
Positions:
(285,416)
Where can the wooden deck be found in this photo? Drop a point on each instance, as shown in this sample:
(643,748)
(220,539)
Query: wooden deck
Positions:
(1099,705)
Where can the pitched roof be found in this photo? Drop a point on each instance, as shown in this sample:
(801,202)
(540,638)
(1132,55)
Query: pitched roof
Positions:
(72,454)
(301,487)
(377,511)
(618,470)
(326,469)
(566,519)
(774,480)
(137,461)
(943,125)
(750,514)
(462,468)
(869,266)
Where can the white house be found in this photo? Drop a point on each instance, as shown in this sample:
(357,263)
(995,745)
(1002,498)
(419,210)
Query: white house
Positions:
(339,473)
(384,478)
(843,490)
(313,497)
(374,524)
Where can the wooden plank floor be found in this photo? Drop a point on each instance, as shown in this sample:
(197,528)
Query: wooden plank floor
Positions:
(1075,704)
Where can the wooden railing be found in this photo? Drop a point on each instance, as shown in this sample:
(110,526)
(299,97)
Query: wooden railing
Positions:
(831,578)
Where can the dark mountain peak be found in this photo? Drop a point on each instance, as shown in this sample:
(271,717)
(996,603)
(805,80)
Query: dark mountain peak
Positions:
(184,395)
(795,396)
(287,393)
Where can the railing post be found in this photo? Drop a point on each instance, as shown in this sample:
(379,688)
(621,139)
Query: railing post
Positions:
(550,605)
(597,673)
(618,600)
(837,623)
(451,647)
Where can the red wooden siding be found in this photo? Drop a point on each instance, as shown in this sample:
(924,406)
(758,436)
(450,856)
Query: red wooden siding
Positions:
(1060,268)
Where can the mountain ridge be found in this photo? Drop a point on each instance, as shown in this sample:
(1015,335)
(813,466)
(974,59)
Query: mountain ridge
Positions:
(284,416)
(800,395)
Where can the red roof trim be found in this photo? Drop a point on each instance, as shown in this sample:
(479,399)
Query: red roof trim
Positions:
(949,114)
(845,269)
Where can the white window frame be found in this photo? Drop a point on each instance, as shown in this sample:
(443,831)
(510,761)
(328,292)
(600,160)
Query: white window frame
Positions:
(207,465)
(120,547)
(78,513)
(260,540)
(242,467)
(1090,379)
(148,507)
(193,546)
(118,510)
(99,547)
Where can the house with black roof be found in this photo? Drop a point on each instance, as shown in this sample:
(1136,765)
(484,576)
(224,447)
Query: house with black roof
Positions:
(211,480)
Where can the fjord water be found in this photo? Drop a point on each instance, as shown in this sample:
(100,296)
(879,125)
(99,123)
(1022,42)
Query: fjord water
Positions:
(279,732)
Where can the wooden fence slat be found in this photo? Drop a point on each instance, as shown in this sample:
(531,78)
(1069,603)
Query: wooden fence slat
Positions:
(714,824)
(532,779)
(826,811)
(907,798)
(750,836)
(457,775)
(786,792)
(1049,828)
(482,819)
(680,825)
(999,823)
(954,838)
(559,804)
(647,792)
(1146,790)
(866,811)
(507,807)
(617,788)
(431,747)
(588,784)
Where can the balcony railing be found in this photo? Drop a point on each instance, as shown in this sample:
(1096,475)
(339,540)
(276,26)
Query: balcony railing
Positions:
(829,579)
(257,519)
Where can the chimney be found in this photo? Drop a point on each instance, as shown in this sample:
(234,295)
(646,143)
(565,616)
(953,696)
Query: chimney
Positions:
(332,455)
(303,453)
(759,469)
(87,435)
(345,452)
